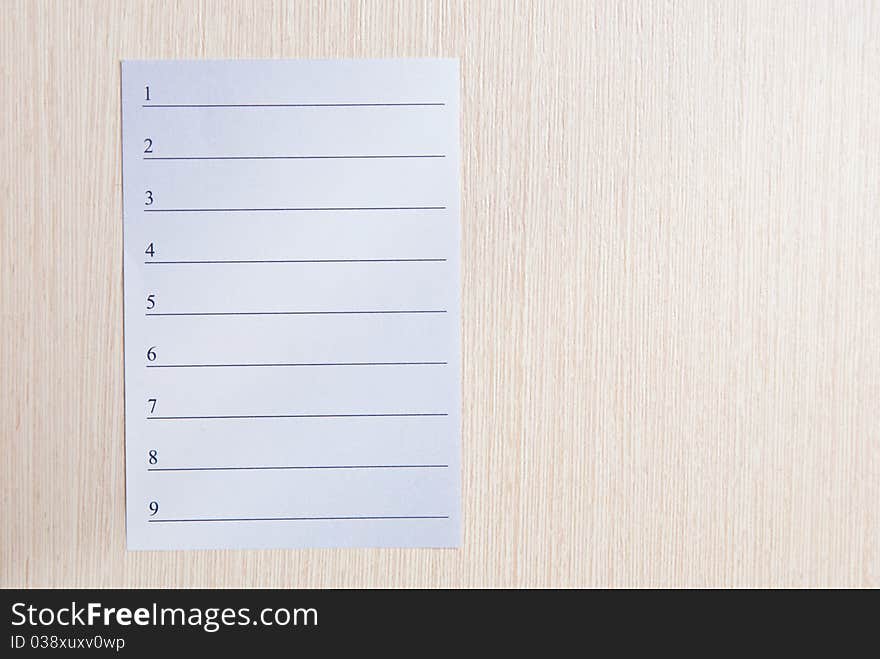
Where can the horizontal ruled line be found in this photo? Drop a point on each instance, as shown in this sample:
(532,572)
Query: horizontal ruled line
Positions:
(296,416)
(292,209)
(295,313)
(286,468)
(340,157)
(293,105)
(242,261)
(298,519)
(284,364)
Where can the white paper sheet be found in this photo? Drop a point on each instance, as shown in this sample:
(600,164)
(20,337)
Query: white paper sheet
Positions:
(291,273)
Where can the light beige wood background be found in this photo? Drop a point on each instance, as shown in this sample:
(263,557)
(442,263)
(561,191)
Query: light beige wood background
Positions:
(671,289)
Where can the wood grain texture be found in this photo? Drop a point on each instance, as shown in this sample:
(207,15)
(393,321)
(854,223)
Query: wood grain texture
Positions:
(671,289)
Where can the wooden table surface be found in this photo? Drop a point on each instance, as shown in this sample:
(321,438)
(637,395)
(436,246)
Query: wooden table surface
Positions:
(671,289)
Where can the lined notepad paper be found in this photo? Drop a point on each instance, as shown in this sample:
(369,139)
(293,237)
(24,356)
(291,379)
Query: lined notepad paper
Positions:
(291,272)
